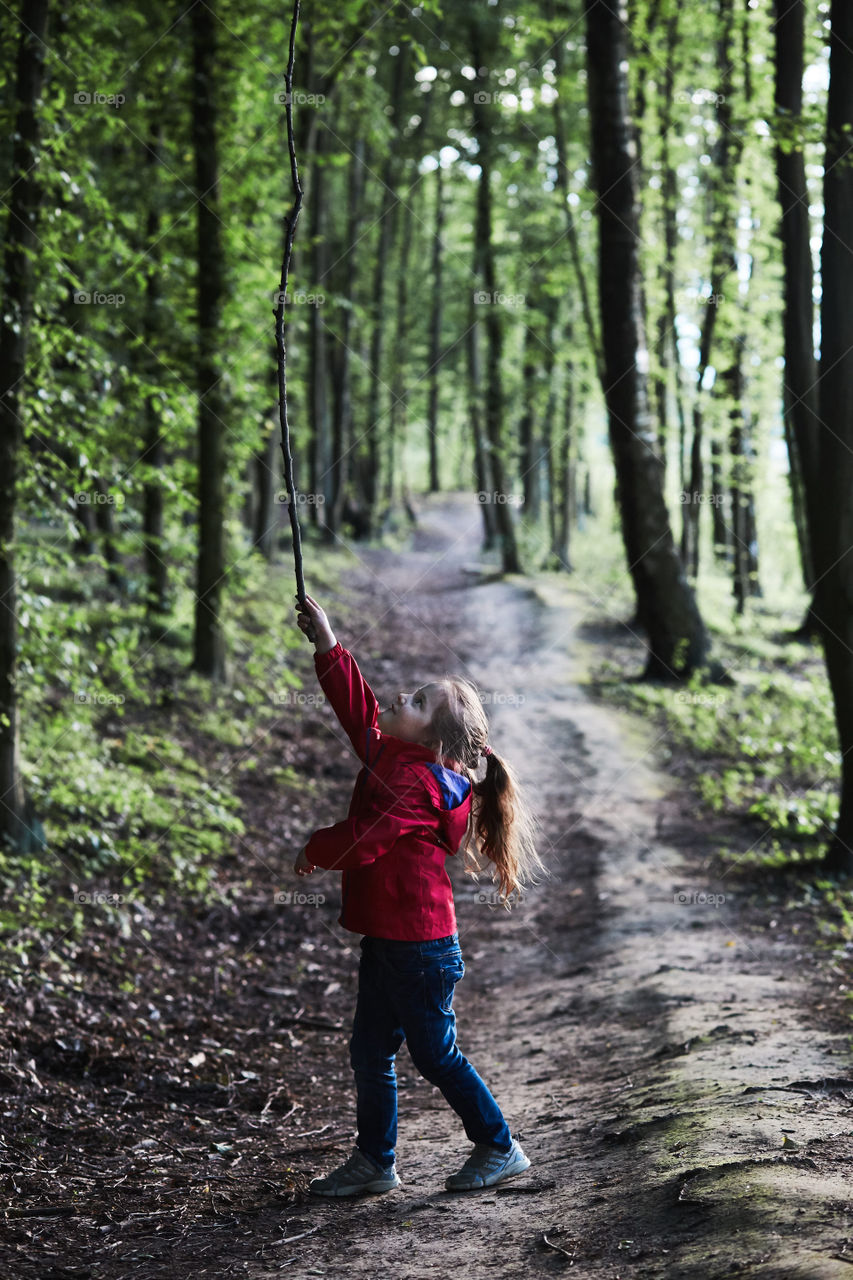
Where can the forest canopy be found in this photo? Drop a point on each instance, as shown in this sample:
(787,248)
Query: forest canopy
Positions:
(592,266)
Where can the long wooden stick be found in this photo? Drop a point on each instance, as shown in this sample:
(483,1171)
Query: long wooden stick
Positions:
(290,220)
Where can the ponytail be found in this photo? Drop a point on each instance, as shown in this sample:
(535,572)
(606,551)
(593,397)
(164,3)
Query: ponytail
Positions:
(501,834)
(503,831)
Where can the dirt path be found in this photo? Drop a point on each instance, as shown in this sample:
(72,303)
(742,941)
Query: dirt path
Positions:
(168,1090)
(653,1048)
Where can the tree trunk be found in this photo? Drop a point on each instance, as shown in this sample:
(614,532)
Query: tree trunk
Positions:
(343,420)
(370,461)
(209,654)
(24,200)
(831,501)
(723,221)
(678,642)
(719,529)
(265,470)
(571,233)
(399,378)
(800,390)
(435,334)
(529,443)
(320,469)
(156,577)
(493,317)
(564,468)
(482,469)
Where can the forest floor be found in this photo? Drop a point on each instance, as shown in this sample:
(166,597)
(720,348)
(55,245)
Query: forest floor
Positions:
(665,1035)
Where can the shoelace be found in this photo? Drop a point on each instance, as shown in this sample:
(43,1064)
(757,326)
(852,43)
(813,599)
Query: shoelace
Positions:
(488,1157)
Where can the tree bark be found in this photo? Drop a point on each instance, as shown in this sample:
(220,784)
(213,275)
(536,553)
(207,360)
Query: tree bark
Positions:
(493,318)
(343,415)
(678,642)
(370,460)
(24,201)
(800,388)
(831,499)
(397,417)
(571,233)
(435,334)
(209,654)
(723,219)
(321,464)
(482,469)
(265,468)
(156,576)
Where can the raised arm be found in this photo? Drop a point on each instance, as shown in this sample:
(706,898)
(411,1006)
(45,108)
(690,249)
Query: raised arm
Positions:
(352,699)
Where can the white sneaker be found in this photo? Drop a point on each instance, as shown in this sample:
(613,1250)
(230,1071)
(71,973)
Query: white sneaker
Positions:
(357,1176)
(487,1165)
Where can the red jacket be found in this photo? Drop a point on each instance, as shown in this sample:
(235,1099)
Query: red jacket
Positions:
(406,814)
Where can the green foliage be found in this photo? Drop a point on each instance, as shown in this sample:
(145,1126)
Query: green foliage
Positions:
(130,760)
(764,747)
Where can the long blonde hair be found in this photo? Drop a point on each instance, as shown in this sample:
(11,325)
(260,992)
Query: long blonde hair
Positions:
(501,833)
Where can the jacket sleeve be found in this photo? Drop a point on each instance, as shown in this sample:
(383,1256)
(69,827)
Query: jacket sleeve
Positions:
(360,840)
(352,699)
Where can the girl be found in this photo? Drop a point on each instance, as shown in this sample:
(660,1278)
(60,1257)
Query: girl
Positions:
(415,801)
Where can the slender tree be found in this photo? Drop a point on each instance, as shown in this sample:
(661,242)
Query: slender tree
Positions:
(832,500)
(800,384)
(209,643)
(483,53)
(678,641)
(23,203)
(435,333)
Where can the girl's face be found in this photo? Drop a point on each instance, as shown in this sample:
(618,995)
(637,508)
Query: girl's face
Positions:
(410,714)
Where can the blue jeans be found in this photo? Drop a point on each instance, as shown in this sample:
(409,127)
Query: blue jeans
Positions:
(405,992)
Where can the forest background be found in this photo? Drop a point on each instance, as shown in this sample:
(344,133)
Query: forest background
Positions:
(590,266)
